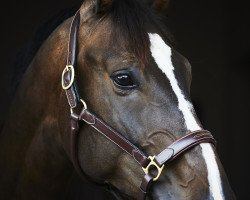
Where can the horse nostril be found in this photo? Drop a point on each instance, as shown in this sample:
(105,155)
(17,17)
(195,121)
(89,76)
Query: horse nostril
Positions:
(187,182)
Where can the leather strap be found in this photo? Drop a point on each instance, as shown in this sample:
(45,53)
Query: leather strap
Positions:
(114,137)
(73,144)
(174,150)
(72,44)
(183,144)
(74,150)
(68,75)
(146,183)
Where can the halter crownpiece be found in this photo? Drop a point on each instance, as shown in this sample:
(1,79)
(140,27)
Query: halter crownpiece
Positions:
(148,163)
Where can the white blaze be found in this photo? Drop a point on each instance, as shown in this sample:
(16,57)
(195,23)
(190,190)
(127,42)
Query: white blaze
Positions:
(161,53)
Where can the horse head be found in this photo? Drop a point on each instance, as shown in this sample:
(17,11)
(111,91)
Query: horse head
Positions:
(131,76)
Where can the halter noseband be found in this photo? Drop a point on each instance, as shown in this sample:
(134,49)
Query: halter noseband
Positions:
(148,163)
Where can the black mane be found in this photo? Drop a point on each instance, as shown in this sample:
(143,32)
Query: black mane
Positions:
(132,19)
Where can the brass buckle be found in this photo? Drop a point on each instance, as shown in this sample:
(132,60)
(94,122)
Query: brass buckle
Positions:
(68,68)
(154,164)
(84,106)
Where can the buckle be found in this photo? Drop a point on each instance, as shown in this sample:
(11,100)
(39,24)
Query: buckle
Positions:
(84,106)
(68,68)
(152,164)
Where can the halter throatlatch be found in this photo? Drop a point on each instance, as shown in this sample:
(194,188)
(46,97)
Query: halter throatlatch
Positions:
(149,164)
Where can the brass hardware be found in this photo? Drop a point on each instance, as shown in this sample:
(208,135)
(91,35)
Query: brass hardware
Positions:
(154,164)
(68,68)
(84,106)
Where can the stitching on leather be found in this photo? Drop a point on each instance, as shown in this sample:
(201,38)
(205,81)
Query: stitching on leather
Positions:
(93,118)
(70,98)
(133,153)
(178,141)
(120,138)
(124,139)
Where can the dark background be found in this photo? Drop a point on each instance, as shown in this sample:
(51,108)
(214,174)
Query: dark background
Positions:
(213,35)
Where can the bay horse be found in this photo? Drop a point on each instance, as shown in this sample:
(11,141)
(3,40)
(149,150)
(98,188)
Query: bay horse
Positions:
(123,95)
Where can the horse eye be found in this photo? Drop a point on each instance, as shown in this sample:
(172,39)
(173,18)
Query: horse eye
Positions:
(123,81)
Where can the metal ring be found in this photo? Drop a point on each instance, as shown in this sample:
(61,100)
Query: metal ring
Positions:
(84,104)
(68,68)
(152,163)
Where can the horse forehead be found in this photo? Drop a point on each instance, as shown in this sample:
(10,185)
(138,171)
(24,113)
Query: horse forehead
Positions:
(115,59)
(160,50)
(167,59)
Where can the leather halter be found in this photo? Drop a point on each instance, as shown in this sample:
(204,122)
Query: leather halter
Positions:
(148,163)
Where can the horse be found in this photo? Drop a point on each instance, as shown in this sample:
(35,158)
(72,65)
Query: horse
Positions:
(123,95)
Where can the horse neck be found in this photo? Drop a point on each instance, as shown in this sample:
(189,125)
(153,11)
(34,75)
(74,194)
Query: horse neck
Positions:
(31,147)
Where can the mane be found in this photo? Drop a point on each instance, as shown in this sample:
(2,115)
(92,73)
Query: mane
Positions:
(132,19)
(26,53)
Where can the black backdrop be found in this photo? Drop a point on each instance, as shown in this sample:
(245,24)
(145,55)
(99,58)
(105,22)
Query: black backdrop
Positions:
(214,35)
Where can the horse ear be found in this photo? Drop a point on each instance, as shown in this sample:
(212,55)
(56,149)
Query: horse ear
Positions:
(92,7)
(158,5)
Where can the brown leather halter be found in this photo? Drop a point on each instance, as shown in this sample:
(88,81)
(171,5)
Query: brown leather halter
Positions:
(148,163)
